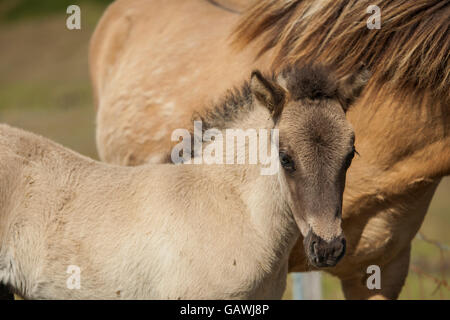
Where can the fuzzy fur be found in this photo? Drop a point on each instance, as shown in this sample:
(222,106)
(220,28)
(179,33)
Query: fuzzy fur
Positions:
(165,231)
(149,83)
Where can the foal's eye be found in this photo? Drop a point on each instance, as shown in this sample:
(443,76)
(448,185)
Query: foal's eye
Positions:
(350,156)
(287,162)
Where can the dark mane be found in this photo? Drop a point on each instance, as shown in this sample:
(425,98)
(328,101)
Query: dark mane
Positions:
(312,81)
(234,104)
(411,50)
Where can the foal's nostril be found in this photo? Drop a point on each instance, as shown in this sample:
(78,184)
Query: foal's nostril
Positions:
(315,247)
(340,248)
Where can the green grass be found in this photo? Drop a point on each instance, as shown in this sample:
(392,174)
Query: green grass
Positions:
(17,10)
(45,88)
(73,128)
(64,94)
(44,76)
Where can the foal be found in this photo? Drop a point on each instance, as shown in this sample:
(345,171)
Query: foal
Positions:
(182,231)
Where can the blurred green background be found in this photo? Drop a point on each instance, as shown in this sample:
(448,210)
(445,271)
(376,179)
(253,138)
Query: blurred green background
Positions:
(45,88)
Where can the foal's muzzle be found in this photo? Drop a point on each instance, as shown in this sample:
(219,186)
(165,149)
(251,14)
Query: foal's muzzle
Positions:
(323,253)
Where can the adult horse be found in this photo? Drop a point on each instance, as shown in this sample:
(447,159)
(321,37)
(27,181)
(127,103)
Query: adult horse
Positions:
(148,64)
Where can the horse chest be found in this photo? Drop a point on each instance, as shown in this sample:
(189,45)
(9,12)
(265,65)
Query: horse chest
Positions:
(223,277)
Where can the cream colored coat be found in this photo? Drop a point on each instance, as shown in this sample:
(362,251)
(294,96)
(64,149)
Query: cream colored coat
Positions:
(150,232)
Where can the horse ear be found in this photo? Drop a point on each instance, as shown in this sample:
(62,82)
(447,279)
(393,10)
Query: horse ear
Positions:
(268,93)
(351,86)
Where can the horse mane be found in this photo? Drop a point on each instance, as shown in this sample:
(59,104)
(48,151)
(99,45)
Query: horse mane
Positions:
(231,106)
(310,81)
(411,49)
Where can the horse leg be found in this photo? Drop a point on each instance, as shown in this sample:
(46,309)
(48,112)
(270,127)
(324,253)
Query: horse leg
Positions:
(393,276)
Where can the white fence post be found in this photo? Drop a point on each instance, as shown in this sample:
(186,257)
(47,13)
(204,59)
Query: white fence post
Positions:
(307,286)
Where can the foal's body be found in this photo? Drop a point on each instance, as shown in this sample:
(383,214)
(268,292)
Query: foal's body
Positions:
(208,241)
(186,231)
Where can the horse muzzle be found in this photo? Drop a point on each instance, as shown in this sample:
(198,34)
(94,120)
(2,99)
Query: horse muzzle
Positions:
(321,253)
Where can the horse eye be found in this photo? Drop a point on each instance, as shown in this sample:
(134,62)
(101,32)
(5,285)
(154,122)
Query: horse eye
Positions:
(350,156)
(287,162)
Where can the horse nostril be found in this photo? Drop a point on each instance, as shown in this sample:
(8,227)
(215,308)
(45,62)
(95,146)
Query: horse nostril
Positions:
(314,247)
(340,249)
(323,253)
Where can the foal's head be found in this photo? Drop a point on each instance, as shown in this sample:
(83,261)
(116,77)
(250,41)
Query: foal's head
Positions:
(316,148)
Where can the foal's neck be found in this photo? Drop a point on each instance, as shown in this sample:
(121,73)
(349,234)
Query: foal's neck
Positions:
(266,196)
(238,109)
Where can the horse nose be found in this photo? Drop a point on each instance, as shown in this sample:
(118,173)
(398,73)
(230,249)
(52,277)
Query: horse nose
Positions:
(325,253)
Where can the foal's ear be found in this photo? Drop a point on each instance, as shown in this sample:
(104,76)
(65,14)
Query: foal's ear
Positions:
(351,86)
(268,93)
